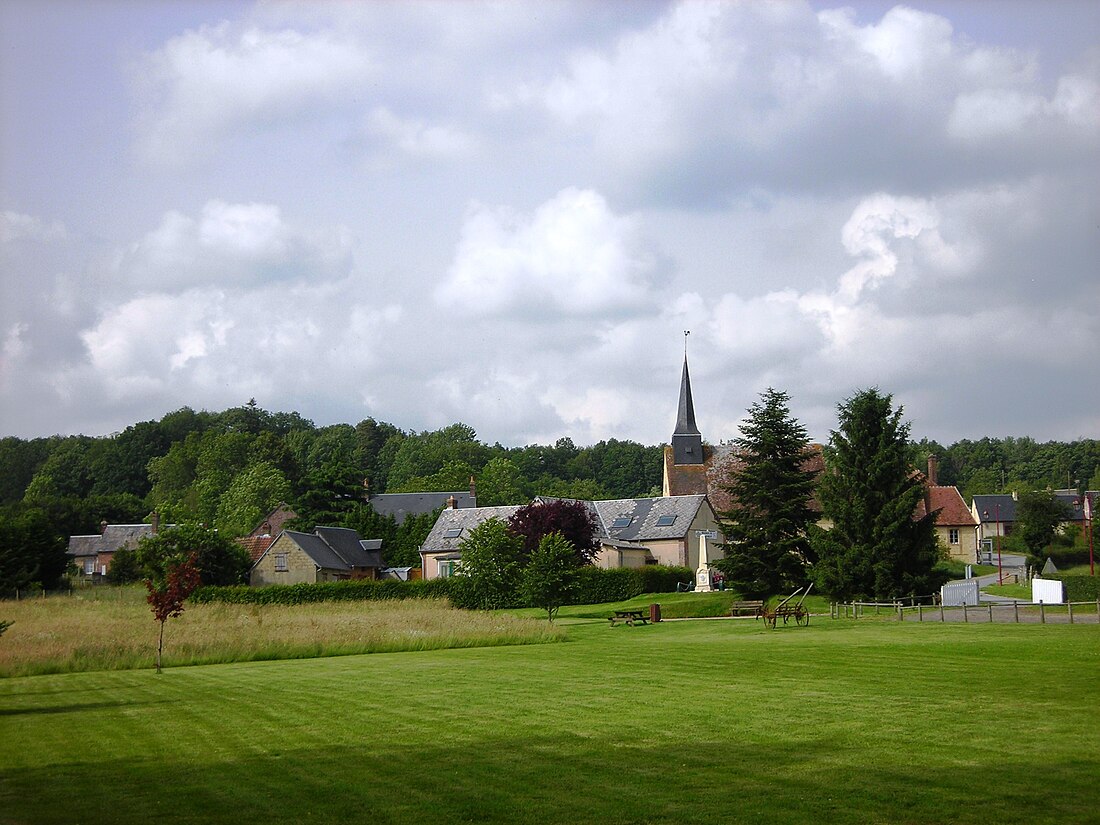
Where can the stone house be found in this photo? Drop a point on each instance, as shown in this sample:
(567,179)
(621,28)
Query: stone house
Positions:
(92,554)
(326,554)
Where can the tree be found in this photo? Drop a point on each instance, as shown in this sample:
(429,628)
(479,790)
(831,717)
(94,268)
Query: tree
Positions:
(30,552)
(124,568)
(550,575)
(489,575)
(572,519)
(255,491)
(500,483)
(767,547)
(169,586)
(1038,515)
(870,494)
(219,560)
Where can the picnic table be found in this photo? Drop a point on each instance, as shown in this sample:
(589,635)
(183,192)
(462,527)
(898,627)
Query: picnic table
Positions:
(631,617)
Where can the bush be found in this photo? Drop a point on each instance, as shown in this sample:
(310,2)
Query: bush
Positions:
(1081,588)
(596,585)
(341,591)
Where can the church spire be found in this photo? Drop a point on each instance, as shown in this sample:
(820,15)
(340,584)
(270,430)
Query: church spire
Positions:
(687,442)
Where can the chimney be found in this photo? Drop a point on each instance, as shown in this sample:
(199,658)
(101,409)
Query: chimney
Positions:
(452,503)
(103,527)
(933,466)
(155,519)
(473,488)
(366,489)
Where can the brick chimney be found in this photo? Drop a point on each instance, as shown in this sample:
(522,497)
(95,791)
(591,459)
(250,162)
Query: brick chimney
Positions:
(473,488)
(933,467)
(154,518)
(103,527)
(452,503)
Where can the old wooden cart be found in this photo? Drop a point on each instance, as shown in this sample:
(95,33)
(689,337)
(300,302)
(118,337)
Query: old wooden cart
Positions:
(787,610)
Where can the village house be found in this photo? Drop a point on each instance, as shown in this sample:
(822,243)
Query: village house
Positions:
(92,554)
(326,554)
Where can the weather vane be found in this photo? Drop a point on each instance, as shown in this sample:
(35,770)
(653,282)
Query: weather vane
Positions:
(687,332)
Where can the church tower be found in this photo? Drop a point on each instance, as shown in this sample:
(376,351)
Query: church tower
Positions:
(685,470)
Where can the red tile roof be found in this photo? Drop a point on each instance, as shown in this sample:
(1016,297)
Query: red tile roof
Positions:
(256,545)
(953,511)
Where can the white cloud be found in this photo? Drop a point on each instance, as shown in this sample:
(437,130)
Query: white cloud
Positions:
(232,245)
(417,138)
(205,83)
(572,255)
(15,226)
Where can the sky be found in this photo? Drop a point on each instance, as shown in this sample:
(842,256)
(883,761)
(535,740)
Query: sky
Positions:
(507,214)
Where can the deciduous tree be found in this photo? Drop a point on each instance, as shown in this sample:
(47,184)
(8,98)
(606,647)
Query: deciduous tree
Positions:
(572,519)
(489,575)
(169,587)
(550,575)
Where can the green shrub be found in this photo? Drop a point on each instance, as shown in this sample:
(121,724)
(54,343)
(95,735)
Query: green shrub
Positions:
(1081,588)
(596,585)
(341,591)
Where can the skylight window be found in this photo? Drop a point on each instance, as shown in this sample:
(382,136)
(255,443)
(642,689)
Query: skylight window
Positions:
(621,521)
(452,532)
(666,521)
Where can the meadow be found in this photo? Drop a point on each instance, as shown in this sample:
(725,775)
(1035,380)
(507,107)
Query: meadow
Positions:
(681,722)
(113,629)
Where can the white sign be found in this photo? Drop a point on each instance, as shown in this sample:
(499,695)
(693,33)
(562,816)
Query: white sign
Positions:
(1047,591)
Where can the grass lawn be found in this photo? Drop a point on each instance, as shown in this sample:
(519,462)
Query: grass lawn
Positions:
(682,722)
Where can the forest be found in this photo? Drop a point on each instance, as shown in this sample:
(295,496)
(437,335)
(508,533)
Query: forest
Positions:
(229,468)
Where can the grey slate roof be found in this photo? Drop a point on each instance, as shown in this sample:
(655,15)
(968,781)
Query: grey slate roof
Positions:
(337,548)
(993,508)
(464,521)
(115,537)
(400,505)
(643,513)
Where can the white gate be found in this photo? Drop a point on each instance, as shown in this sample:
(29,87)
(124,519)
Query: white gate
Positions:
(956,594)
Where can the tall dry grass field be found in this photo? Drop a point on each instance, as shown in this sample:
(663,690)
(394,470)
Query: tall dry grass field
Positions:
(63,634)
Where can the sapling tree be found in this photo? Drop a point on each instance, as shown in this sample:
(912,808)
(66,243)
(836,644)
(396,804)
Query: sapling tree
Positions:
(550,574)
(168,589)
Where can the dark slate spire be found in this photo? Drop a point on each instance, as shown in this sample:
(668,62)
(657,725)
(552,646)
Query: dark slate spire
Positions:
(687,442)
(685,415)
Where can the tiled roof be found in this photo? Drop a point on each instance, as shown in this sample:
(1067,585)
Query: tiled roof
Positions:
(272,523)
(256,545)
(953,511)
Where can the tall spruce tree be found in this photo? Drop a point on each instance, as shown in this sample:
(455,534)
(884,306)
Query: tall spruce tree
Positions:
(766,548)
(870,493)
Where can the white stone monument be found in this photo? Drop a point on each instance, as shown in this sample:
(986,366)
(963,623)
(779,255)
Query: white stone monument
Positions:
(702,575)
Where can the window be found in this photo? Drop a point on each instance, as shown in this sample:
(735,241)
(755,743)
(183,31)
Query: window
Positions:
(666,521)
(89,567)
(447,569)
(452,532)
(953,536)
(621,521)
(281,562)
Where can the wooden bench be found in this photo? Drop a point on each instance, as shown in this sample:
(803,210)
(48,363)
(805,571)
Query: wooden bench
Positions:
(631,617)
(755,607)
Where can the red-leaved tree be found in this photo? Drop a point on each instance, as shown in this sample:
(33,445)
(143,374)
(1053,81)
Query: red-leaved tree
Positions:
(573,519)
(169,590)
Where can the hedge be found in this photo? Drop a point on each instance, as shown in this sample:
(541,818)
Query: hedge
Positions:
(1081,588)
(351,590)
(595,586)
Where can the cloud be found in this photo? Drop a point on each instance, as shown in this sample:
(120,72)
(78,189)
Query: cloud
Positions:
(15,226)
(572,255)
(205,83)
(416,138)
(231,244)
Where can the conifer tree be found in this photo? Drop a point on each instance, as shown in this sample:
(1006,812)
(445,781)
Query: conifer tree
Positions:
(766,548)
(870,493)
